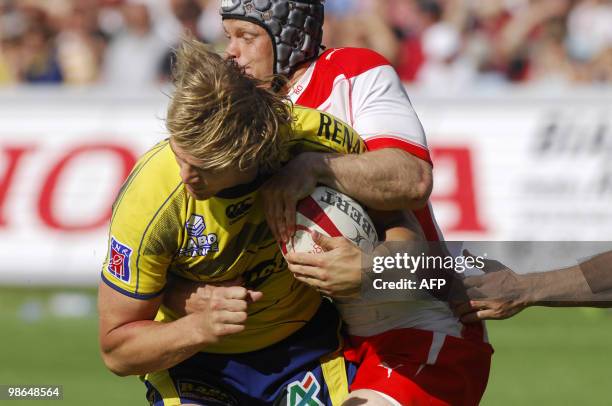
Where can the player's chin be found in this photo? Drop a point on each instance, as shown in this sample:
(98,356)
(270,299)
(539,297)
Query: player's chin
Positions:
(198,194)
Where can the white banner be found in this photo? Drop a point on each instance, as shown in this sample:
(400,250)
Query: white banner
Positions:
(506,168)
(521,168)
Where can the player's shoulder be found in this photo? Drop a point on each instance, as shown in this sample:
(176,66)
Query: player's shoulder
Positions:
(315,130)
(308,121)
(154,178)
(350,62)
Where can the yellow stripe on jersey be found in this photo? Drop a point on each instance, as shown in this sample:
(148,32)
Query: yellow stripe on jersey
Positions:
(334,372)
(162,382)
(157,227)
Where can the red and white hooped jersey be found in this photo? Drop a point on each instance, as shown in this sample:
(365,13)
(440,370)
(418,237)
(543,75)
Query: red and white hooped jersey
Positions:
(360,87)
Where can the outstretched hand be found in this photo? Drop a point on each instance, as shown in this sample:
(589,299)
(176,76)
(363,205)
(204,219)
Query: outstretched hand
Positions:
(498,294)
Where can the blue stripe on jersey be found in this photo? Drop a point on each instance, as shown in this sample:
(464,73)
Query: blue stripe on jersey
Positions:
(128,293)
(180,184)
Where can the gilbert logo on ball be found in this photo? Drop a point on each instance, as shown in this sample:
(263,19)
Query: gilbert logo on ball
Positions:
(333,214)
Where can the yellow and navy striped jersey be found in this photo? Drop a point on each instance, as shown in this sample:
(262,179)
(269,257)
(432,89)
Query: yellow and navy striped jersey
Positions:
(158,228)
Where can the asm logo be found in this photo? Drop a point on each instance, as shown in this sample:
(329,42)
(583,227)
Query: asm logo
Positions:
(235,211)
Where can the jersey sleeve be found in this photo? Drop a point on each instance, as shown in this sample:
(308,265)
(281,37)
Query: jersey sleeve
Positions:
(141,244)
(383,113)
(317,131)
(379,107)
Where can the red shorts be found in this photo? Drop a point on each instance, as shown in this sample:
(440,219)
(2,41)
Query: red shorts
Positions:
(418,367)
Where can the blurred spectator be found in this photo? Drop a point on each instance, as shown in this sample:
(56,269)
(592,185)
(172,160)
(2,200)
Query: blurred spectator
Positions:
(38,52)
(187,13)
(81,45)
(135,53)
(435,43)
(362,24)
(445,68)
(589,29)
(408,24)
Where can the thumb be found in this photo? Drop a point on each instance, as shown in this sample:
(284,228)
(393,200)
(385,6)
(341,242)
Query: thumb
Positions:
(468,254)
(325,242)
(253,296)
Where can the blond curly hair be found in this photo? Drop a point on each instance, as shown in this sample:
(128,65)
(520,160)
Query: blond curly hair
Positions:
(223,117)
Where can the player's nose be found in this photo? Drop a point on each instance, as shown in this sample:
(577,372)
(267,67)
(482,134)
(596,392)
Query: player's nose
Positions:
(189,174)
(232,50)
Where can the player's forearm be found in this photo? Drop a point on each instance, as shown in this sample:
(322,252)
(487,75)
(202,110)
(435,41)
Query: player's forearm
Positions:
(387,179)
(144,346)
(565,288)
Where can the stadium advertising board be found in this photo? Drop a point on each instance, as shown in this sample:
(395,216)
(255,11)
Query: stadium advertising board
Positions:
(506,168)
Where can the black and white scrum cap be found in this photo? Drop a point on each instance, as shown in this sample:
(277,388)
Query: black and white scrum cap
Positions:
(295,26)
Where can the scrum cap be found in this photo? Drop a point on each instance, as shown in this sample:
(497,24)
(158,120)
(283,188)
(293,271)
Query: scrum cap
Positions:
(295,27)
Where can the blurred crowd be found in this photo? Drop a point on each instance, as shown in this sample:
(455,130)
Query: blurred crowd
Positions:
(445,44)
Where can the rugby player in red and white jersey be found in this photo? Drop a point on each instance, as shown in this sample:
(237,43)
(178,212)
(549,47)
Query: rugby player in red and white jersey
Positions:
(416,354)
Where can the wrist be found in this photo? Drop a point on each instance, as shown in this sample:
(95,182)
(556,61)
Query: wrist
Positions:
(198,329)
(531,285)
(317,164)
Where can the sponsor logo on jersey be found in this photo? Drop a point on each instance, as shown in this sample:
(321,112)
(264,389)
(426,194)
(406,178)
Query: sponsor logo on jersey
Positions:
(199,243)
(304,393)
(119,261)
(236,211)
(259,273)
(339,133)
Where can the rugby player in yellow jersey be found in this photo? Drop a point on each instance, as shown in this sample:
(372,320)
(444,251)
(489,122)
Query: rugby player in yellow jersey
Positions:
(191,208)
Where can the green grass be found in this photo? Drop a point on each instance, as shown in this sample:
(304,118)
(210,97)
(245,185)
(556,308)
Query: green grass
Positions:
(552,357)
(543,356)
(58,351)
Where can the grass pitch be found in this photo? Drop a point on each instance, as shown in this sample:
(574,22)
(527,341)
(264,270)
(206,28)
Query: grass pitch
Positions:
(543,356)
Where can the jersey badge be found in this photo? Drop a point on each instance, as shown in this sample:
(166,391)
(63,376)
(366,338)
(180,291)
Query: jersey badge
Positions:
(119,261)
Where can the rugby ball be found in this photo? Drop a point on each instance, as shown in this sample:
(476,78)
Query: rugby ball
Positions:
(333,214)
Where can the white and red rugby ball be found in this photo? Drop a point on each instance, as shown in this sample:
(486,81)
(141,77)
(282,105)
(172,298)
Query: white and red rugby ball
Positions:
(333,214)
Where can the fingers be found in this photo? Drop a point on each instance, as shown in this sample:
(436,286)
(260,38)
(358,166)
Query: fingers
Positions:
(308,271)
(229,317)
(228,308)
(227,329)
(304,258)
(327,243)
(468,254)
(477,310)
(315,283)
(320,286)
(239,281)
(273,212)
(280,215)
(462,309)
(477,316)
(288,225)
(231,292)
(279,209)
(232,305)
